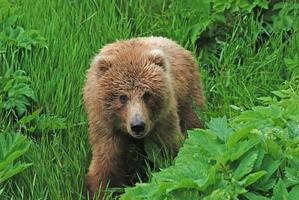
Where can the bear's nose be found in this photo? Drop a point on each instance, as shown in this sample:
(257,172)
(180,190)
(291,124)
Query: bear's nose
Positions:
(138,127)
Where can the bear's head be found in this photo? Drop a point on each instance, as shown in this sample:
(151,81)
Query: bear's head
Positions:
(135,89)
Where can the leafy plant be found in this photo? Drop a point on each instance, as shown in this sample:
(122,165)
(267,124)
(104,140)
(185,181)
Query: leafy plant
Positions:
(287,17)
(17,99)
(41,122)
(12,147)
(254,156)
(12,36)
(217,11)
(16,93)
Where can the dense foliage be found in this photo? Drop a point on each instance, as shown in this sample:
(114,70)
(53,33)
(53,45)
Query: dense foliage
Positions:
(17,97)
(254,156)
(245,49)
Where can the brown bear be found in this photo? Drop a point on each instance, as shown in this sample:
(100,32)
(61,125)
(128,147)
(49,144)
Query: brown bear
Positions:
(139,88)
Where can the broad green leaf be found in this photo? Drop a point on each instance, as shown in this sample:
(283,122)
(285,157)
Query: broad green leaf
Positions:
(292,174)
(220,127)
(245,166)
(253,196)
(280,191)
(183,194)
(206,140)
(239,149)
(50,122)
(219,194)
(12,146)
(28,118)
(260,158)
(279,94)
(270,166)
(239,134)
(17,168)
(273,148)
(252,178)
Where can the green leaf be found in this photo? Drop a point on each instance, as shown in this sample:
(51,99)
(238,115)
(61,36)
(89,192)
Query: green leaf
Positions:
(252,178)
(12,146)
(270,166)
(239,134)
(183,194)
(279,94)
(219,194)
(292,174)
(28,118)
(17,168)
(253,196)
(260,158)
(51,122)
(210,144)
(294,193)
(280,191)
(220,127)
(245,166)
(239,149)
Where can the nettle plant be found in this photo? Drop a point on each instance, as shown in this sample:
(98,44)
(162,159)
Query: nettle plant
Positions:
(252,156)
(16,93)
(14,37)
(12,147)
(17,99)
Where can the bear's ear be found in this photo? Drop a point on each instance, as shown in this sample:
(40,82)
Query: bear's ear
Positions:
(157,57)
(101,63)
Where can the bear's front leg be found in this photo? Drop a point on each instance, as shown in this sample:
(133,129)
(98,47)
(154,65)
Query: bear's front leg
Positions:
(107,165)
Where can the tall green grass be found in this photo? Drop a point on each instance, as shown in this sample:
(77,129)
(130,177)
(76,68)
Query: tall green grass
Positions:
(234,71)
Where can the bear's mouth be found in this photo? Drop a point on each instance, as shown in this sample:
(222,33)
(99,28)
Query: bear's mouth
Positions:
(138,135)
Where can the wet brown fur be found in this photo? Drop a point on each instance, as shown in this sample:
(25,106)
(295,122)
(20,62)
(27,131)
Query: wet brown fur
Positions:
(128,67)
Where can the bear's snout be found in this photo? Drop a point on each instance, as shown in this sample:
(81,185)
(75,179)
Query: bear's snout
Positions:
(138,125)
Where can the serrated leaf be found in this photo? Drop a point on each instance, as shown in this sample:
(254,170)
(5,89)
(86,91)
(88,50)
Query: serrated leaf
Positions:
(292,174)
(239,134)
(273,148)
(50,122)
(218,194)
(12,147)
(241,148)
(260,158)
(279,94)
(145,191)
(17,168)
(210,144)
(28,118)
(252,178)
(270,166)
(245,166)
(220,127)
(280,191)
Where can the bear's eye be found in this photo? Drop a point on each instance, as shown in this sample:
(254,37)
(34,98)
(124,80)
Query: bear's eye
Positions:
(146,96)
(123,99)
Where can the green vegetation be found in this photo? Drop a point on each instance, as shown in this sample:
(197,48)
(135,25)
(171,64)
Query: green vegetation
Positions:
(245,50)
(254,156)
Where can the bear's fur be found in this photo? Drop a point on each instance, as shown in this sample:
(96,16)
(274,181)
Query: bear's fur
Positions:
(150,80)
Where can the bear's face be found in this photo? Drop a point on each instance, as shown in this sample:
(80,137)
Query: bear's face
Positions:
(135,93)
